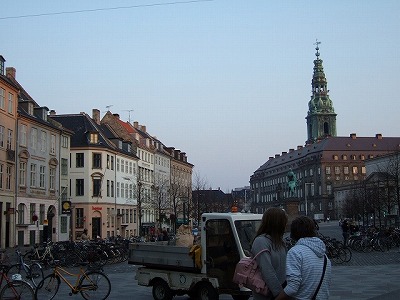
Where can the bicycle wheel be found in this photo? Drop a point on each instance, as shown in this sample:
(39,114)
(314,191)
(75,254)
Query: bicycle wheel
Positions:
(95,285)
(48,287)
(17,289)
(23,270)
(36,273)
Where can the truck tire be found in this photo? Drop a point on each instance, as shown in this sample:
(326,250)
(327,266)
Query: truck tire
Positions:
(161,290)
(205,291)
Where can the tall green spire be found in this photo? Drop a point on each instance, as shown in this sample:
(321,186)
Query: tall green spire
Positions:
(321,116)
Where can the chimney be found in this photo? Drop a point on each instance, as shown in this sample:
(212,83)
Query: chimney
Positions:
(353,136)
(299,147)
(277,155)
(11,72)
(116,115)
(284,152)
(96,115)
(291,150)
(52,112)
(143,128)
(378,136)
(135,124)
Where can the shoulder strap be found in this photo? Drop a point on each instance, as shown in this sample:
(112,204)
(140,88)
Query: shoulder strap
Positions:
(263,250)
(322,277)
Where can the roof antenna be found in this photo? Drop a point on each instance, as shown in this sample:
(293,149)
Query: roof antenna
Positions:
(108,107)
(129,115)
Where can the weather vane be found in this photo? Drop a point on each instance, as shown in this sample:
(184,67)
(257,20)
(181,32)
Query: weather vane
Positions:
(317,48)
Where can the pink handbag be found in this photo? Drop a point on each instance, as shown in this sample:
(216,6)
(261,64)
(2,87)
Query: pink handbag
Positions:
(248,275)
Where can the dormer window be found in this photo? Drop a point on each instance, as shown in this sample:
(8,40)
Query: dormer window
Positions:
(94,138)
(30,108)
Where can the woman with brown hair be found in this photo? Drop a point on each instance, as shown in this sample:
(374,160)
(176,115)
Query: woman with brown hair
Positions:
(272,263)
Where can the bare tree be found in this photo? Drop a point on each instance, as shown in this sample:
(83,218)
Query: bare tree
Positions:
(199,185)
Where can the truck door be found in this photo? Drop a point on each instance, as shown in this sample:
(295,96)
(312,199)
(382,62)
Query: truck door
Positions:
(221,252)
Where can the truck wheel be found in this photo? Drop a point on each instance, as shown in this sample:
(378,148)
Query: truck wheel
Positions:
(161,290)
(205,291)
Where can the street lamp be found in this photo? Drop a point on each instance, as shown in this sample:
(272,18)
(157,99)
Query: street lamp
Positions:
(305,194)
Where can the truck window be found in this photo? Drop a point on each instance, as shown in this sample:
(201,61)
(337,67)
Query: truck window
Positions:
(247,230)
(221,251)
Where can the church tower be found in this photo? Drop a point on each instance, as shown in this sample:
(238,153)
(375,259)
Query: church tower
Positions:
(321,116)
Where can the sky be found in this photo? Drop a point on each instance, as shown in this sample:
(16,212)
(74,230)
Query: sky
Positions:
(225,81)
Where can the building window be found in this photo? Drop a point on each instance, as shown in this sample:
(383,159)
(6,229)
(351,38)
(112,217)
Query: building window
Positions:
(117,164)
(22,140)
(329,189)
(344,157)
(10,103)
(337,170)
(34,136)
(94,138)
(327,170)
(33,175)
(9,139)
(22,173)
(8,178)
(52,179)
(43,141)
(112,188)
(108,188)
(346,170)
(2,136)
(64,224)
(21,213)
(80,160)
(80,218)
(96,187)
(112,162)
(64,141)
(96,161)
(362,157)
(79,187)
(117,189)
(363,170)
(64,166)
(1,175)
(355,170)
(52,144)
(2,98)
(335,157)
(42,213)
(32,212)
(108,161)
(42,176)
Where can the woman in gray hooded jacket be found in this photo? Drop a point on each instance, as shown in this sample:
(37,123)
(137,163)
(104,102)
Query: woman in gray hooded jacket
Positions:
(272,262)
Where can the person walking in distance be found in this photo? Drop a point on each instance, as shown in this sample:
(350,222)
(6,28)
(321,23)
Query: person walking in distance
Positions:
(272,262)
(345,231)
(308,270)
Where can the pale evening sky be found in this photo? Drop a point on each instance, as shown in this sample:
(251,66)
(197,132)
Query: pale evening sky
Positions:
(226,81)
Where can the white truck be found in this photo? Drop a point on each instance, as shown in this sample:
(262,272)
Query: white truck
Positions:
(171,270)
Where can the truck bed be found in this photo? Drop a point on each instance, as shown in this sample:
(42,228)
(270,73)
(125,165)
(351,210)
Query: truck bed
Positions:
(160,256)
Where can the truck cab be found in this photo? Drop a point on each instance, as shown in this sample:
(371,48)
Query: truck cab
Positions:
(224,239)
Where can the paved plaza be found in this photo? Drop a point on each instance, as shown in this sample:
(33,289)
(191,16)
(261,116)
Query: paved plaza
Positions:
(368,276)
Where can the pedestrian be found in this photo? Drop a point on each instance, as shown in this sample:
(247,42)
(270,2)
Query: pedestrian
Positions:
(272,263)
(308,270)
(84,235)
(345,231)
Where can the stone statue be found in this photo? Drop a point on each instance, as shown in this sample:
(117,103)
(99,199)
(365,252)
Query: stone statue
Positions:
(292,182)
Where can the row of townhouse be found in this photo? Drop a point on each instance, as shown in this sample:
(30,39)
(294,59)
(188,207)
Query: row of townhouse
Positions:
(60,174)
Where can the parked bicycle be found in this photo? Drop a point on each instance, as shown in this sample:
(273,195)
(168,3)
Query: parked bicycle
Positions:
(91,284)
(14,287)
(32,272)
